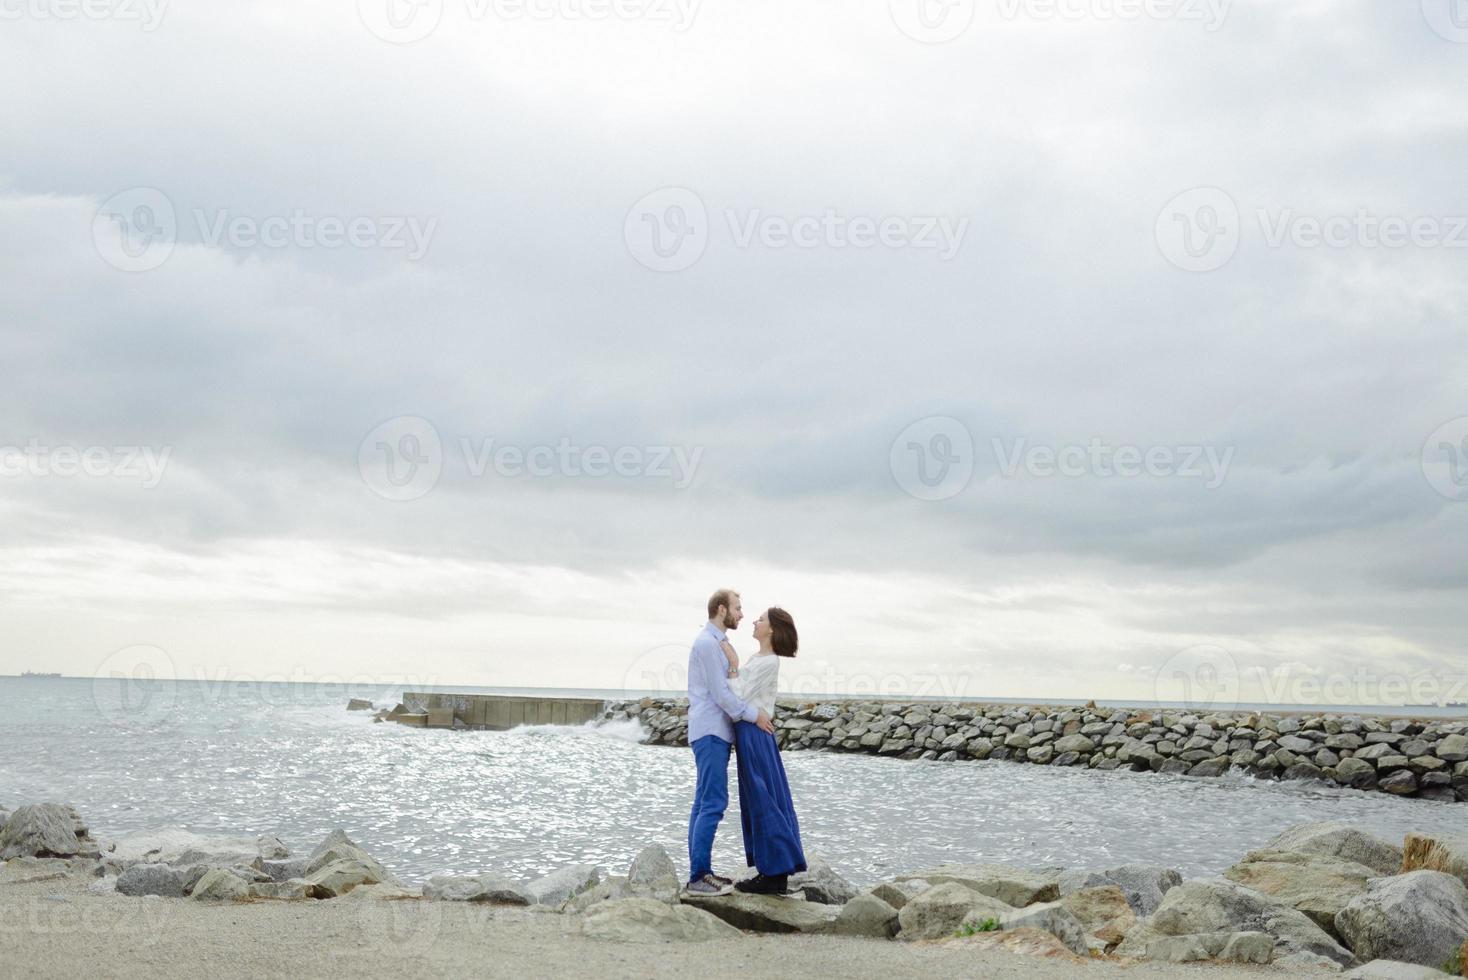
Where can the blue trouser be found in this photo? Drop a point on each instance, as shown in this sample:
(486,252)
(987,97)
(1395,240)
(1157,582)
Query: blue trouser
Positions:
(710,800)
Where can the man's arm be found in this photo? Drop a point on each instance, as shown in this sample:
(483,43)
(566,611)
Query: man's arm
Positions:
(710,660)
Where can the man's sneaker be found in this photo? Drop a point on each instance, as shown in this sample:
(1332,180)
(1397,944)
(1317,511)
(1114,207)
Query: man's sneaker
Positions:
(707,887)
(764,885)
(721,879)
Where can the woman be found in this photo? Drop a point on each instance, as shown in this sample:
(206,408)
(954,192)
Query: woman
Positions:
(771,831)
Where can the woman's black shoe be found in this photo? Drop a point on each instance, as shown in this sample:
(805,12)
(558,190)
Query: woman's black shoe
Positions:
(763,885)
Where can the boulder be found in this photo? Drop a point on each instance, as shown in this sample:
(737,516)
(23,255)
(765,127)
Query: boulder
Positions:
(643,920)
(1104,913)
(1453,748)
(1142,884)
(1051,917)
(292,890)
(103,886)
(1416,917)
(1021,942)
(286,869)
(184,848)
(45,830)
(338,864)
(767,913)
(1228,947)
(1334,838)
(1012,886)
(1317,885)
(359,704)
(1206,905)
(220,885)
(651,864)
(866,915)
(1400,783)
(563,884)
(153,879)
(899,893)
(1438,852)
(939,911)
(822,884)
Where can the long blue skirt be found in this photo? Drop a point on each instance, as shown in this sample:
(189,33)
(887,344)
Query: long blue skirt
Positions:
(771,830)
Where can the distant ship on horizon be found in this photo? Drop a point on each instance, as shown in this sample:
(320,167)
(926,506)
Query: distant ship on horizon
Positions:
(31,673)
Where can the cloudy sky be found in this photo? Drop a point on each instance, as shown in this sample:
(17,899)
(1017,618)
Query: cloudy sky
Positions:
(1083,348)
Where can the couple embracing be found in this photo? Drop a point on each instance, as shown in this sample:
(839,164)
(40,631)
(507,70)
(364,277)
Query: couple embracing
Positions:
(730,706)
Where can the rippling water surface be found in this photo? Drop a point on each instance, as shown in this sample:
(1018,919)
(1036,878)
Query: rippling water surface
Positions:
(289,760)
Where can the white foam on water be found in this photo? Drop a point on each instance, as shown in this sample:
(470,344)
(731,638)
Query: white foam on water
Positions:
(621,730)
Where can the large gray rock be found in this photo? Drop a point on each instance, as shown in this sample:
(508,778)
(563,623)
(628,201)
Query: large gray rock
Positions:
(938,912)
(184,848)
(1219,905)
(220,885)
(46,830)
(1142,884)
(767,913)
(1316,884)
(337,865)
(293,890)
(563,884)
(1417,917)
(1051,917)
(651,864)
(821,883)
(643,920)
(153,879)
(1228,947)
(285,869)
(1015,887)
(866,915)
(899,893)
(1334,838)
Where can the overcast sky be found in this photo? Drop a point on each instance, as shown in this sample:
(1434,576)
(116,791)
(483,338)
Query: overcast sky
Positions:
(1019,349)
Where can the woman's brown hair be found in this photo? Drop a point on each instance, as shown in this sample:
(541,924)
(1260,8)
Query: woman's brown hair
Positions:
(783,638)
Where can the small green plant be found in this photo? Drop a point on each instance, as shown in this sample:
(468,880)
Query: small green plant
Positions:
(974,928)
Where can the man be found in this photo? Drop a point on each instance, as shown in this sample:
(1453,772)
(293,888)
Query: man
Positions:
(712,710)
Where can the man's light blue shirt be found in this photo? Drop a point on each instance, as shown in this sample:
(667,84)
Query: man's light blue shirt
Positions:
(712,706)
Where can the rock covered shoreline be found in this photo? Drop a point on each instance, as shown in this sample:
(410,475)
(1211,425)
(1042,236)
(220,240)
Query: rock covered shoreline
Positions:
(1424,758)
(1318,898)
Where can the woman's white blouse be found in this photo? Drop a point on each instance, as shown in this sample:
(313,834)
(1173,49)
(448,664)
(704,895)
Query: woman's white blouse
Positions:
(759,676)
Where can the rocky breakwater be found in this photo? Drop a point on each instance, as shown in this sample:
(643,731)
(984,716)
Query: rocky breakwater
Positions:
(1404,756)
(1318,898)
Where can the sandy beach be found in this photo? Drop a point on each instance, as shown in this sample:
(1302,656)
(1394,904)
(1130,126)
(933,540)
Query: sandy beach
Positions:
(54,928)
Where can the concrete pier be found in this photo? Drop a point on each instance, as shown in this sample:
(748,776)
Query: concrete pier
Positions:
(498,712)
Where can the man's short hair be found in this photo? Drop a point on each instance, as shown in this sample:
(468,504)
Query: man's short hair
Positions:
(723,597)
